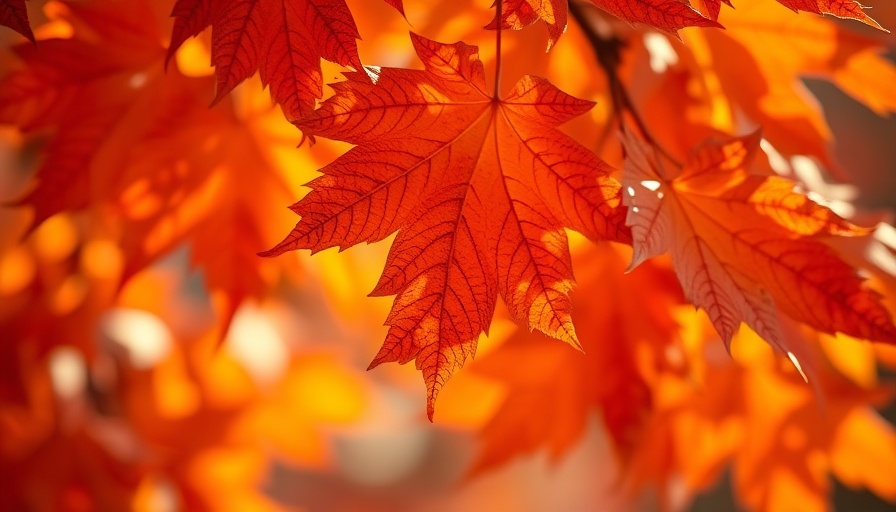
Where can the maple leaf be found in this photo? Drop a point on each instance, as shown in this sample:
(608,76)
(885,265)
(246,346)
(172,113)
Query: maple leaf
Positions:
(13,14)
(850,9)
(668,15)
(713,7)
(518,14)
(397,4)
(841,8)
(742,244)
(283,40)
(479,190)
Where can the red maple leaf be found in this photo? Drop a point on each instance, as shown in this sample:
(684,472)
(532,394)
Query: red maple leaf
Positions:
(668,15)
(479,190)
(712,7)
(840,8)
(397,4)
(518,14)
(283,40)
(14,15)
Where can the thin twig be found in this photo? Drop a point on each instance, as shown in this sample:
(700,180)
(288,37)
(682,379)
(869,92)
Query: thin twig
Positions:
(609,56)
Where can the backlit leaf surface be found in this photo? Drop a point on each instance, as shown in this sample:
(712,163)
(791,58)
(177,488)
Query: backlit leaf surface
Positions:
(479,190)
(743,245)
(283,40)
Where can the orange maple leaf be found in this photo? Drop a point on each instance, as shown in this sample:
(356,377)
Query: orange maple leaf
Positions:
(282,40)
(479,190)
(743,244)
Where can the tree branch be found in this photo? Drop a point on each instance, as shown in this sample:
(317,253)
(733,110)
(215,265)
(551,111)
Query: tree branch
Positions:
(608,51)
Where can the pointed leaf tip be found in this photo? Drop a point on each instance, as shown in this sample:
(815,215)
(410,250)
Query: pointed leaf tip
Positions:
(14,14)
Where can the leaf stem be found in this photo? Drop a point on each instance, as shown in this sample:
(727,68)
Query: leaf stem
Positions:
(608,51)
(499,4)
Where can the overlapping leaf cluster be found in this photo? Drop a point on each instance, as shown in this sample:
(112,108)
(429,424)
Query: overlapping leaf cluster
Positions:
(480,189)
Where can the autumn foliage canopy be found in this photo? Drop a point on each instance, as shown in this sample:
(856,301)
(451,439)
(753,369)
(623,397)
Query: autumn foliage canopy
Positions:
(651,183)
